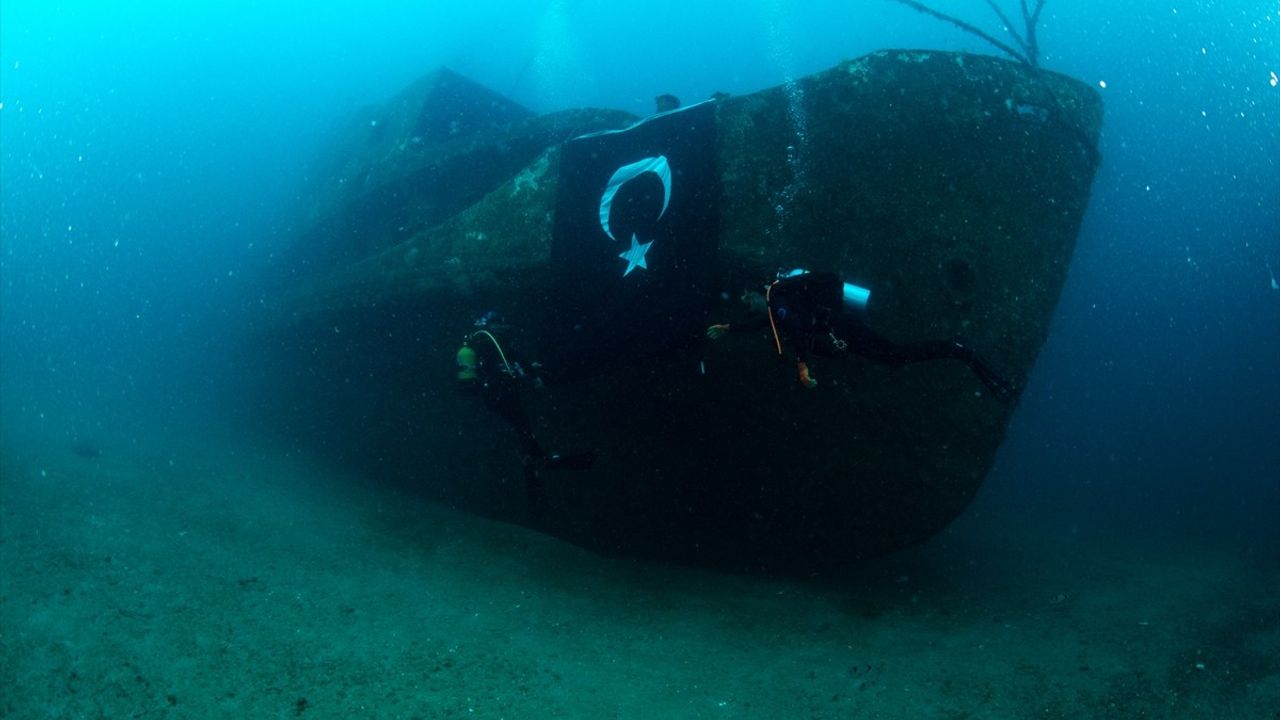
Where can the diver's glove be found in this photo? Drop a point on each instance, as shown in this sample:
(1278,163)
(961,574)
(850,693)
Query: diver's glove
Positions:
(715,332)
(806,379)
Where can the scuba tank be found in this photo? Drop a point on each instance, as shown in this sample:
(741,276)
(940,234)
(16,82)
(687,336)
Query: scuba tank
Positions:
(853,297)
(466,359)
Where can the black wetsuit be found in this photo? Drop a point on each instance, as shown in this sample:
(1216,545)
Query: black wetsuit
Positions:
(498,382)
(498,385)
(808,311)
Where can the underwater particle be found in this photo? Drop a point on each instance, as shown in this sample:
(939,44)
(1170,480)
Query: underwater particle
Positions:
(1274,79)
(1102,84)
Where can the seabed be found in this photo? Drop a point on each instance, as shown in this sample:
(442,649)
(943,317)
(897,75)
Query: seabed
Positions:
(221,577)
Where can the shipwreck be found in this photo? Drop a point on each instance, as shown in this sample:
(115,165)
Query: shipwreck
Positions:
(951,185)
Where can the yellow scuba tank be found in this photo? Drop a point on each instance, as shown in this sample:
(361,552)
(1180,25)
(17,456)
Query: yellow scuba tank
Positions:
(466,359)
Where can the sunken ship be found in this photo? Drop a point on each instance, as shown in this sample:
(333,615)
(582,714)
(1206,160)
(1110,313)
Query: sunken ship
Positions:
(950,185)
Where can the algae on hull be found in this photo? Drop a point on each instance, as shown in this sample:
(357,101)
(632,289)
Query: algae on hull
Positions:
(951,185)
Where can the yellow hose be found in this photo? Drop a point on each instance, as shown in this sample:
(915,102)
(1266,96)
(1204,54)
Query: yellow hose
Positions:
(494,340)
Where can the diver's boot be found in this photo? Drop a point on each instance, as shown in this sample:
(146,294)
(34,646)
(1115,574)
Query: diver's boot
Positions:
(534,484)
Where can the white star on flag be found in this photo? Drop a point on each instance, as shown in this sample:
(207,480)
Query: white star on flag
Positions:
(635,255)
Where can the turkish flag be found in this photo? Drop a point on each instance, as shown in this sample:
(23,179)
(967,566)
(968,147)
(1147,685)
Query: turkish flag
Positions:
(633,252)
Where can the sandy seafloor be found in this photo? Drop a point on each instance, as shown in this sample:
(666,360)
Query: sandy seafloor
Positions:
(215,578)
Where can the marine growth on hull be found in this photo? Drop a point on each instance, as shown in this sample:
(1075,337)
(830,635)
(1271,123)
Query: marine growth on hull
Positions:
(784,329)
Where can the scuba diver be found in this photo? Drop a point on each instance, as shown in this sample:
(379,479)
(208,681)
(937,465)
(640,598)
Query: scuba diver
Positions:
(820,314)
(485,370)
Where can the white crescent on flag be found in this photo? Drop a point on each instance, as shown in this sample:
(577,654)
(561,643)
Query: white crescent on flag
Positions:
(656,165)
